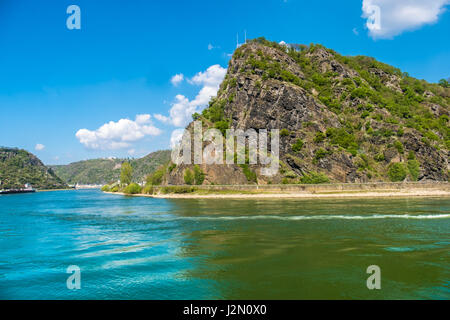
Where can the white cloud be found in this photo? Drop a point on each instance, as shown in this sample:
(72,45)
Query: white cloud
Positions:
(355,31)
(183,108)
(39,147)
(177,79)
(118,135)
(400,15)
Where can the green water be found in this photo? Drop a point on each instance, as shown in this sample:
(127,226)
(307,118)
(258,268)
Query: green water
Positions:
(143,248)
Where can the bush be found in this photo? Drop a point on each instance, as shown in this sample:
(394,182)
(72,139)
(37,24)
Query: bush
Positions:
(297,146)
(177,189)
(284,132)
(157,176)
(414,169)
(132,188)
(320,153)
(320,137)
(126,172)
(106,188)
(399,146)
(397,172)
(249,174)
(148,189)
(342,138)
(411,155)
(199,176)
(379,157)
(314,178)
(115,189)
(188,177)
(171,167)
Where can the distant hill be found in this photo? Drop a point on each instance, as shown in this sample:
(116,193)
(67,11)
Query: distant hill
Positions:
(18,167)
(102,171)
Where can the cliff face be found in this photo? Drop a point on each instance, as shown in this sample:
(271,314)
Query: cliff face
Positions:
(342,119)
(18,167)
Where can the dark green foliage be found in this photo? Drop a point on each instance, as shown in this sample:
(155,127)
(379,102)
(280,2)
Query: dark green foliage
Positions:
(397,172)
(188,177)
(297,146)
(156,177)
(126,172)
(444,83)
(18,167)
(320,153)
(132,188)
(177,189)
(199,176)
(101,171)
(379,157)
(222,126)
(319,137)
(148,189)
(399,146)
(215,111)
(171,167)
(414,169)
(314,178)
(249,174)
(343,138)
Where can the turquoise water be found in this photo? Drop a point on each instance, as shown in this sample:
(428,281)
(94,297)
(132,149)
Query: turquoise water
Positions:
(143,248)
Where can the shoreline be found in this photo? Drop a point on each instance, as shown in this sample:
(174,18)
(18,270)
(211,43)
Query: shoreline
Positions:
(417,193)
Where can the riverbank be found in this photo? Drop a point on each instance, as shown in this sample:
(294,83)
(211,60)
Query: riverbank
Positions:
(369,190)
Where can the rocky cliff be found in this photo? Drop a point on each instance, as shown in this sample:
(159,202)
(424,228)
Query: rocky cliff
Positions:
(341,119)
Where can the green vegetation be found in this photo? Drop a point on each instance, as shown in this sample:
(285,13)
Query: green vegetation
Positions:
(188,177)
(199,176)
(297,146)
(344,138)
(132,188)
(18,167)
(249,174)
(397,172)
(314,178)
(156,177)
(320,154)
(414,169)
(126,173)
(148,189)
(102,171)
(399,146)
(177,189)
(284,132)
(319,137)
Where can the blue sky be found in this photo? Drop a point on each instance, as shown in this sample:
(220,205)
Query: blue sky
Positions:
(55,82)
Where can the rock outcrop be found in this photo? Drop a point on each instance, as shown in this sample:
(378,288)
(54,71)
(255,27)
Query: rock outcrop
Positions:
(341,119)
